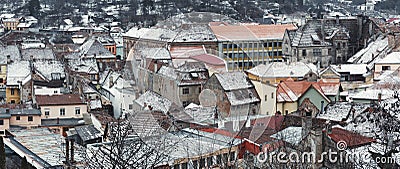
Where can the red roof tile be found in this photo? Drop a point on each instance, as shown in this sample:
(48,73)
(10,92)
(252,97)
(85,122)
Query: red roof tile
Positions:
(290,91)
(65,99)
(250,32)
(209,59)
(350,138)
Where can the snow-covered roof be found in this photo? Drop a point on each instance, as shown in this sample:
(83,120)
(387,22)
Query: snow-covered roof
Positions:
(7,16)
(282,69)
(92,48)
(156,101)
(392,58)
(198,114)
(11,50)
(68,22)
(88,66)
(234,80)
(18,71)
(50,69)
(291,135)
(46,53)
(157,34)
(369,53)
(340,110)
(155,53)
(244,96)
(353,69)
(168,72)
(24,25)
(372,94)
(195,33)
(44,144)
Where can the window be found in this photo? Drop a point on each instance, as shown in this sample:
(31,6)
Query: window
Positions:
(232,156)
(209,161)
(55,91)
(219,159)
(317,52)
(1,80)
(18,118)
(202,163)
(62,111)
(30,118)
(304,52)
(12,91)
(184,166)
(185,103)
(77,110)
(46,111)
(1,132)
(272,95)
(385,67)
(195,164)
(329,51)
(199,89)
(130,106)
(286,112)
(185,90)
(266,97)
(1,122)
(12,101)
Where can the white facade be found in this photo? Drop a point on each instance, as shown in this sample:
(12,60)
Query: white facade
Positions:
(63,111)
(41,90)
(267,95)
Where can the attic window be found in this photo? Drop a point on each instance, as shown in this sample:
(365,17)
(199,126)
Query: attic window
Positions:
(309,113)
(55,76)
(194,75)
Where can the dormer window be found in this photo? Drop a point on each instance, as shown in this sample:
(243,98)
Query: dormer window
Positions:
(55,76)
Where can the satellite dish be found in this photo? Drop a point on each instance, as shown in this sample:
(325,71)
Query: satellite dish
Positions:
(208,98)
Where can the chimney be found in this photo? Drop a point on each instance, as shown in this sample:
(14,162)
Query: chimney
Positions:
(329,128)
(337,20)
(111,82)
(8,59)
(67,150)
(306,122)
(72,150)
(155,66)
(379,97)
(323,28)
(144,105)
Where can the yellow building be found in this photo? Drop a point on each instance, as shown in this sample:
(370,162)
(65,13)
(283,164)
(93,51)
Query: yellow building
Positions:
(11,23)
(13,95)
(18,79)
(246,46)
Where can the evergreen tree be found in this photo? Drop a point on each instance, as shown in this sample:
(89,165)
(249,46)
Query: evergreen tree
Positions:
(2,154)
(24,163)
(33,7)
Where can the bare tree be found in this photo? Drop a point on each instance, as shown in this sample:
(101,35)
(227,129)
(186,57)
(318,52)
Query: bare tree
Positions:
(125,149)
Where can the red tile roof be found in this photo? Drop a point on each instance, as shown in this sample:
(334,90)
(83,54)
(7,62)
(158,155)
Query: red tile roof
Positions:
(350,138)
(250,32)
(291,91)
(186,51)
(209,59)
(65,99)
